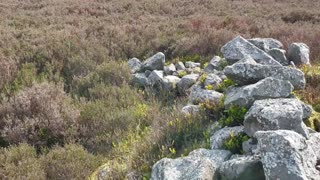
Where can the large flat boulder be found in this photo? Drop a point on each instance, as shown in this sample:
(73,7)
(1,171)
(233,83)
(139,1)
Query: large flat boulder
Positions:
(286,155)
(238,48)
(275,114)
(248,73)
(199,164)
(264,89)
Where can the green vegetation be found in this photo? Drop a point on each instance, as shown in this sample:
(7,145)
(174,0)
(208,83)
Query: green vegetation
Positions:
(234,143)
(233,116)
(224,85)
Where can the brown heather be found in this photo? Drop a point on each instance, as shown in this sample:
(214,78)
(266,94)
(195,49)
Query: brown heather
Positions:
(66,106)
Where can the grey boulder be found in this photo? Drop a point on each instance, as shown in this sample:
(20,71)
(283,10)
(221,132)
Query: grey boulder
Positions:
(216,141)
(170,82)
(264,89)
(314,143)
(169,69)
(180,66)
(299,53)
(199,95)
(155,78)
(156,62)
(190,109)
(190,64)
(266,44)
(216,63)
(286,155)
(200,164)
(279,55)
(213,80)
(238,48)
(135,65)
(139,80)
(186,82)
(275,114)
(248,73)
(242,168)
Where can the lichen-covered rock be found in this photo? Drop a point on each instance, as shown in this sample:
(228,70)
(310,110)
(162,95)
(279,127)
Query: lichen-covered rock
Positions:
(190,109)
(170,82)
(249,146)
(242,168)
(286,155)
(299,53)
(213,80)
(169,69)
(266,44)
(279,55)
(180,66)
(314,143)
(199,164)
(238,48)
(244,73)
(156,62)
(135,65)
(190,64)
(139,80)
(267,88)
(216,141)
(186,82)
(199,95)
(216,63)
(274,114)
(156,78)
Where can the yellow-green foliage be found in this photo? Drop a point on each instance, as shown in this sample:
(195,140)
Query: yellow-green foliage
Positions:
(234,143)
(203,78)
(314,121)
(209,87)
(182,73)
(225,84)
(233,116)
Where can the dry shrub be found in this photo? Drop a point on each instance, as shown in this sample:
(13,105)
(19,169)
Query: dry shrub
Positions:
(41,115)
(21,162)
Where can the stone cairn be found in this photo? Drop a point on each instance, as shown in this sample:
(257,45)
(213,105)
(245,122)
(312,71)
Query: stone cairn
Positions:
(280,145)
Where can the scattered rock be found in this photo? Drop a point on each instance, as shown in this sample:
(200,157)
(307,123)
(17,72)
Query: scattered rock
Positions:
(244,73)
(213,80)
(249,146)
(180,66)
(169,69)
(299,53)
(286,155)
(266,44)
(279,55)
(275,114)
(170,82)
(140,80)
(190,109)
(156,78)
(216,141)
(238,48)
(199,164)
(267,88)
(190,64)
(186,82)
(135,65)
(156,62)
(216,63)
(314,143)
(242,167)
(199,95)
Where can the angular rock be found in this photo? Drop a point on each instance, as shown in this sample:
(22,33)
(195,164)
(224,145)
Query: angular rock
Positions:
(199,164)
(199,95)
(238,48)
(242,167)
(299,53)
(147,73)
(186,82)
(275,114)
(213,80)
(286,155)
(139,80)
(249,146)
(314,143)
(169,69)
(267,88)
(216,141)
(135,65)
(279,55)
(244,73)
(190,64)
(246,60)
(156,78)
(156,62)
(266,44)
(216,63)
(180,66)
(195,70)
(190,109)
(170,82)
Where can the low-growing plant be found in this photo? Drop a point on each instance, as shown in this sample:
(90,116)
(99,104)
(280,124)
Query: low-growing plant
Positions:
(225,84)
(314,121)
(234,143)
(203,78)
(182,73)
(209,87)
(233,116)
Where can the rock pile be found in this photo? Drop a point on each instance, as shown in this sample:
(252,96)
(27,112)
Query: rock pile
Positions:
(280,144)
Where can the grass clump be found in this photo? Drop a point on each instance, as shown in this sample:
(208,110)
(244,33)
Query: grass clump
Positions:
(222,87)
(233,116)
(234,143)
(314,121)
